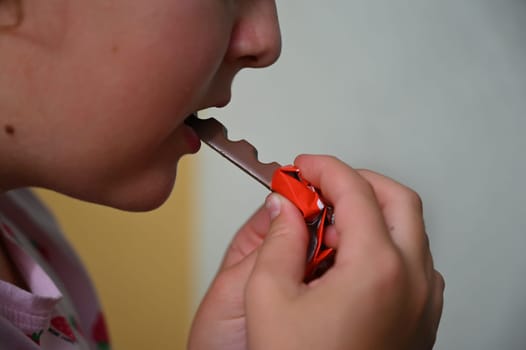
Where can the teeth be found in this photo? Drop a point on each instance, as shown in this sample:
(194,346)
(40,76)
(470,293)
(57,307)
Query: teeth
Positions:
(241,152)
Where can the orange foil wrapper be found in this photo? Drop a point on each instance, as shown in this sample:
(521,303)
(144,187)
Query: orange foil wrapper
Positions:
(288,182)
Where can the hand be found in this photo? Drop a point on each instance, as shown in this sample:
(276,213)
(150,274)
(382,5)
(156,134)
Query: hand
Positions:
(220,321)
(382,292)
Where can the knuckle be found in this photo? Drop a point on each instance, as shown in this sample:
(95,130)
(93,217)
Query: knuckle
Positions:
(423,293)
(412,198)
(440,281)
(366,172)
(425,242)
(427,294)
(282,234)
(365,187)
(277,231)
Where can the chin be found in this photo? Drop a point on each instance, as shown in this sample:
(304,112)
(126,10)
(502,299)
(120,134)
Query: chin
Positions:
(141,193)
(142,196)
(139,201)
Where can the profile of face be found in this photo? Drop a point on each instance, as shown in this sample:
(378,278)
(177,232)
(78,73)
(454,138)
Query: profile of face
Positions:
(93,94)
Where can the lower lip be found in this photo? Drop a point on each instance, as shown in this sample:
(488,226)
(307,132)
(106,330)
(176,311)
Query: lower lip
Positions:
(191,138)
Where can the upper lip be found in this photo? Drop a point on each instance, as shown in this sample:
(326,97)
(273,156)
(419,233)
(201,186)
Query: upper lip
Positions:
(216,104)
(222,103)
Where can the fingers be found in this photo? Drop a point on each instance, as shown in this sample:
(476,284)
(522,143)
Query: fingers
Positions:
(358,217)
(281,257)
(236,276)
(403,214)
(248,238)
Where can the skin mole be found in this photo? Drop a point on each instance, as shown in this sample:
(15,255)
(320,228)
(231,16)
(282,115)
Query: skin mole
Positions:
(9,129)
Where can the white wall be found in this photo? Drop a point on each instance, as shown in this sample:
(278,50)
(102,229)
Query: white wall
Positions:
(432,93)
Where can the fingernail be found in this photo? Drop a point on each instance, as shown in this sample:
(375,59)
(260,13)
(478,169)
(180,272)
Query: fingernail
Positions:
(273,205)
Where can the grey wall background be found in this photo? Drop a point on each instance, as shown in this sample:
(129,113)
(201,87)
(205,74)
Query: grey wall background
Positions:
(432,93)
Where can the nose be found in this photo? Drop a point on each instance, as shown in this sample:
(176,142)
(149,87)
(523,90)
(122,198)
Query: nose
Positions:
(256,39)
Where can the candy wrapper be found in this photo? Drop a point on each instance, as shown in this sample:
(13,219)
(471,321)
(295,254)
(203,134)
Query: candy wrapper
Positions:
(288,182)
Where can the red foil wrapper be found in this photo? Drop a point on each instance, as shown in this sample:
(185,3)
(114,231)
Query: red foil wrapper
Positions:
(288,182)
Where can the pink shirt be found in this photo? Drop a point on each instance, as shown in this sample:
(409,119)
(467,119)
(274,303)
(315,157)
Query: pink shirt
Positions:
(60,311)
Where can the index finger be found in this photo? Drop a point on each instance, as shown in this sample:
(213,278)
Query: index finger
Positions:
(358,216)
(247,239)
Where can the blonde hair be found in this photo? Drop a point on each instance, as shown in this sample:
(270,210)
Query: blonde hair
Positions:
(16,13)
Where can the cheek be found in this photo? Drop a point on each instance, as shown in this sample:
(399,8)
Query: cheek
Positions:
(133,91)
(179,44)
(165,74)
(119,97)
(159,56)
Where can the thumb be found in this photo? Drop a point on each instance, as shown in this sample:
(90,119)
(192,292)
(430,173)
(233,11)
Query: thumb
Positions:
(282,255)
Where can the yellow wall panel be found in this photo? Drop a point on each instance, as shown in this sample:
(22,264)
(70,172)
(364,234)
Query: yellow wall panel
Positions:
(141,264)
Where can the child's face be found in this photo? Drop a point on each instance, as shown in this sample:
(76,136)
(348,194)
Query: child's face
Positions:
(102,89)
